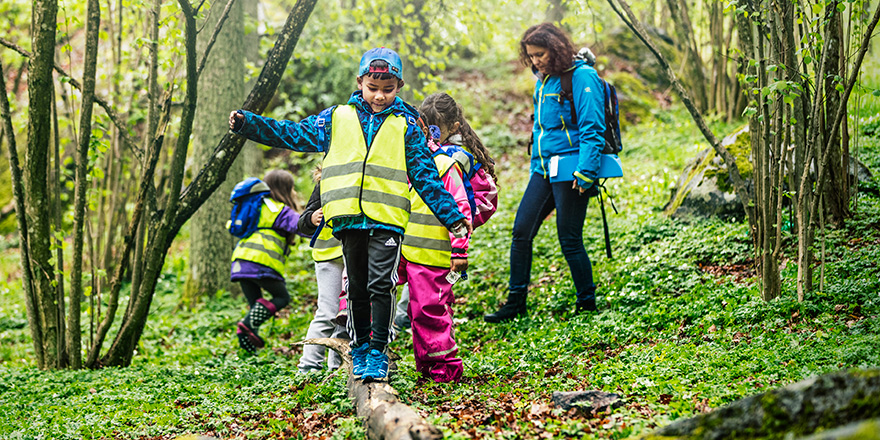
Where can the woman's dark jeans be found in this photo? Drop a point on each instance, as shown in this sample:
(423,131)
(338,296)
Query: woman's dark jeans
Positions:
(539,200)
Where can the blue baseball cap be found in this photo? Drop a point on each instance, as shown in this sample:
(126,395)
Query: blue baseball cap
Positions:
(395,67)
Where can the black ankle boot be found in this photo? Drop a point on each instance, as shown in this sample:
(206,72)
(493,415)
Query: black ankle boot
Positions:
(515,306)
(582,307)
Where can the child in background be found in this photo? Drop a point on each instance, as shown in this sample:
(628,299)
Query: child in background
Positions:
(327,253)
(258,259)
(373,148)
(430,253)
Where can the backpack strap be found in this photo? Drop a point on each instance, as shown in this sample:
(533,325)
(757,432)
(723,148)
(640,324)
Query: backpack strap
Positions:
(567,91)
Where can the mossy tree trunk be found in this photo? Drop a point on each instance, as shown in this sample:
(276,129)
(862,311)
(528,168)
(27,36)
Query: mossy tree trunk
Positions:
(221,86)
(836,193)
(43,314)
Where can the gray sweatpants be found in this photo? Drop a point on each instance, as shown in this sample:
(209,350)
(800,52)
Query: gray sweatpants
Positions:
(329,276)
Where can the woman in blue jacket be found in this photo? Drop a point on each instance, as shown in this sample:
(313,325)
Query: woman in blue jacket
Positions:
(564,164)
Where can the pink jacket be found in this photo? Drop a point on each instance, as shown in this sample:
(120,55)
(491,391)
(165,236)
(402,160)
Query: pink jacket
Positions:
(485,196)
(453,183)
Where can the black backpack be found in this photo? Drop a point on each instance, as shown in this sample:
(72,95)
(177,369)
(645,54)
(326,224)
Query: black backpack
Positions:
(613,144)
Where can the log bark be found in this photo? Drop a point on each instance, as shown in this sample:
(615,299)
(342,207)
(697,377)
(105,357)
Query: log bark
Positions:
(377,403)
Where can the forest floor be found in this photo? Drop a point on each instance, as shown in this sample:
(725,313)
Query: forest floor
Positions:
(681,329)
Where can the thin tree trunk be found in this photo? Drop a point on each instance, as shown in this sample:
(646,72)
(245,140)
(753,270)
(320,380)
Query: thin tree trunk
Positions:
(27,278)
(57,208)
(93,23)
(40,82)
(836,195)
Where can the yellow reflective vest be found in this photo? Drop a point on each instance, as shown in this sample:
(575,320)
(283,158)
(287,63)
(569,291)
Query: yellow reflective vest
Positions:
(372,182)
(426,240)
(326,246)
(264,246)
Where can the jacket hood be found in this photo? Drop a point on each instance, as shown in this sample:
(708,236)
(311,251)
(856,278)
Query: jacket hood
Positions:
(398,106)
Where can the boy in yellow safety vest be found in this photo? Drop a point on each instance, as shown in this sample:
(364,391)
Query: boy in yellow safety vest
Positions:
(373,149)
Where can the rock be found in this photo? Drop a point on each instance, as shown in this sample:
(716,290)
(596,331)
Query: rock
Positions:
(588,401)
(799,409)
(704,188)
(864,430)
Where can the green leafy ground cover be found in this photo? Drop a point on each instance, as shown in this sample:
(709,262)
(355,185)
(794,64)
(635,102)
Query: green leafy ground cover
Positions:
(681,330)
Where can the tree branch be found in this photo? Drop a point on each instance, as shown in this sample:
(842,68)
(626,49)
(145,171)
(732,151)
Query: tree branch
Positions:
(214,172)
(217,29)
(114,117)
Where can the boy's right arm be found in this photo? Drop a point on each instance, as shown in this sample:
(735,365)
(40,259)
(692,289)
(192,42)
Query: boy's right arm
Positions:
(309,135)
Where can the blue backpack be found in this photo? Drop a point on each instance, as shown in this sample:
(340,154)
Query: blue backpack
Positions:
(247,199)
(613,144)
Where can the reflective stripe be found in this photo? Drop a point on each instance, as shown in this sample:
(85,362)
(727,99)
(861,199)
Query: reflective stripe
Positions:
(326,246)
(428,243)
(389,199)
(385,172)
(444,352)
(274,238)
(341,170)
(261,248)
(424,219)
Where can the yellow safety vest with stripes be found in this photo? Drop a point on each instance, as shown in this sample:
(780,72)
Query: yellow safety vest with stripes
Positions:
(264,246)
(426,240)
(373,182)
(326,246)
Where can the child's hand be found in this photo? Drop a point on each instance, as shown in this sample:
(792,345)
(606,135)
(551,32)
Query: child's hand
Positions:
(317,216)
(463,222)
(459,265)
(233,118)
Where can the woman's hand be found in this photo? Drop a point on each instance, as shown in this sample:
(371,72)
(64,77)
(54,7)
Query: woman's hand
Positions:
(459,265)
(317,216)
(233,117)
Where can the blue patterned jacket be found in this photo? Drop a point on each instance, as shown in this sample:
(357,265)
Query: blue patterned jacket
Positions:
(312,134)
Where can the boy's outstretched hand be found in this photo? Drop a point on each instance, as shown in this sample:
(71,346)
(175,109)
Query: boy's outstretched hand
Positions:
(234,117)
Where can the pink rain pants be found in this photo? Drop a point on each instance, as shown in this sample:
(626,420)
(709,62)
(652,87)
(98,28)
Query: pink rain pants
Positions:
(430,311)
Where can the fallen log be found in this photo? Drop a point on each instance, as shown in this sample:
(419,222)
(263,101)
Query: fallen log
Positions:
(377,403)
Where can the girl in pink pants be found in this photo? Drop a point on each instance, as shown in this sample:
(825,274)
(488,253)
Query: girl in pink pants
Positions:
(433,257)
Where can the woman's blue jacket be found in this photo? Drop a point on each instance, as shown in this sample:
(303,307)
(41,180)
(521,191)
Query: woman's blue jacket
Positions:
(556,134)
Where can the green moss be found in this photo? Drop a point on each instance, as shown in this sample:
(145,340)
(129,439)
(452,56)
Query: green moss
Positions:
(741,149)
(867,429)
(683,191)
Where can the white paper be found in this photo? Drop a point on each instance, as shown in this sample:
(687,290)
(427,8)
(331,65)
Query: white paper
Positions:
(554,166)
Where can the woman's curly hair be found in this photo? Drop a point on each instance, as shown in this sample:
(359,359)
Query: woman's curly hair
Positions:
(553,39)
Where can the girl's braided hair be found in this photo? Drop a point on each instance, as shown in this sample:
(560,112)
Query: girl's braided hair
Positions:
(553,39)
(440,109)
